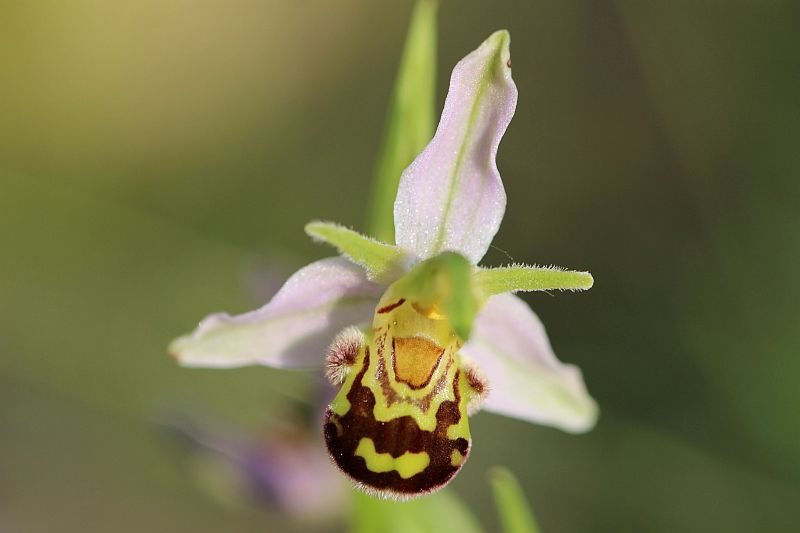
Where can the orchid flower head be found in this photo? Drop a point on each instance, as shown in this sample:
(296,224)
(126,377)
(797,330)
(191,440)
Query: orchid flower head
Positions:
(425,335)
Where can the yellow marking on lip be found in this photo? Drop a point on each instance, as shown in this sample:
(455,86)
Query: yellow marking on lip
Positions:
(456,458)
(340,404)
(460,430)
(422,404)
(433,311)
(406,465)
(338,426)
(415,359)
(382,413)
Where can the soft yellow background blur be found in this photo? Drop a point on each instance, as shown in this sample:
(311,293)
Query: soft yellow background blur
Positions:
(159,158)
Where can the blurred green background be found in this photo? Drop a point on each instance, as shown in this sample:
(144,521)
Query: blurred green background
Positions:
(159,158)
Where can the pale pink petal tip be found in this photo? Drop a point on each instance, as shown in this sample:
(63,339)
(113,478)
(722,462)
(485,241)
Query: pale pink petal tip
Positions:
(292,330)
(526,379)
(451,197)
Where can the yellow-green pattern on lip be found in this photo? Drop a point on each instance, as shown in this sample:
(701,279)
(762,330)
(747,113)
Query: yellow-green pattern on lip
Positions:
(398,426)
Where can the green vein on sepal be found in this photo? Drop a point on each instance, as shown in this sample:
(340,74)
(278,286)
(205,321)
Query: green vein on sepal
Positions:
(501,40)
(515,513)
(381,260)
(530,278)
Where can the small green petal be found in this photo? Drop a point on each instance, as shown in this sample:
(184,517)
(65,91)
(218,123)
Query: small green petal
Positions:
(411,116)
(381,261)
(461,305)
(515,514)
(528,278)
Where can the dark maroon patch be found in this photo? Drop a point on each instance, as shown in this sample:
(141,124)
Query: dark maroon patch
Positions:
(395,437)
(390,307)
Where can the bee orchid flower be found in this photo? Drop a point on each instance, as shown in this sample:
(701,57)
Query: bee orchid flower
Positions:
(416,334)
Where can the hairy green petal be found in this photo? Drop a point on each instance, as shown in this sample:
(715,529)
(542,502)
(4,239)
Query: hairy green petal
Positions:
(381,261)
(411,117)
(515,514)
(530,278)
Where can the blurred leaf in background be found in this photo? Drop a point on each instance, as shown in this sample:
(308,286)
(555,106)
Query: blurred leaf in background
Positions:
(438,512)
(411,119)
(515,514)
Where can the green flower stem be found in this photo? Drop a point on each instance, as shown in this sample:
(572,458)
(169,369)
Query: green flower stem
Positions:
(524,278)
(411,118)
